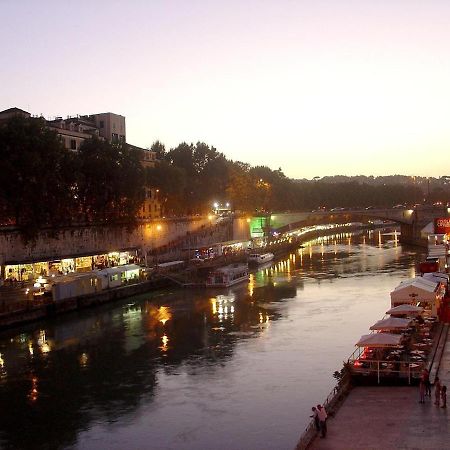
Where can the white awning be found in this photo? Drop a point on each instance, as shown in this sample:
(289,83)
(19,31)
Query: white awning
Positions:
(391,323)
(379,340)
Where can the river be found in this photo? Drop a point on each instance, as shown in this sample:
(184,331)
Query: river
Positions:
(200,369)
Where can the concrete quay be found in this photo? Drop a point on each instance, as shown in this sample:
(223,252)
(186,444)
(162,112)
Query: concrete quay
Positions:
(390,417)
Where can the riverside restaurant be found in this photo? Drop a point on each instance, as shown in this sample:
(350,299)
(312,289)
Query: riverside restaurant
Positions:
(397,350)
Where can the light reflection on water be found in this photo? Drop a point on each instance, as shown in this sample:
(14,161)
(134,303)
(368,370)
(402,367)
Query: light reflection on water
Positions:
(237,368)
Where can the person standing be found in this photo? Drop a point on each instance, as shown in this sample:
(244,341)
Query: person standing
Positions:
(437,391)
(426,376)
(444,396)
(322,414)
(422,390)
(316,418)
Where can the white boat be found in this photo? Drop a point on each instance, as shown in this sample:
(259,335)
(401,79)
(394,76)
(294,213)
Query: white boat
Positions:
(228,275)
(260,258)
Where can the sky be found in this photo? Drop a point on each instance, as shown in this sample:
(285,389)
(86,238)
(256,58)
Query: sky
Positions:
(315,87)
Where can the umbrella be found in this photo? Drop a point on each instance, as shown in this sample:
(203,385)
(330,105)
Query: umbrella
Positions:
(405,309)
(379,340)
(391,323)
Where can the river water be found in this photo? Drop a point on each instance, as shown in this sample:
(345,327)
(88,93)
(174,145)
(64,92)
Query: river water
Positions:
(200,369)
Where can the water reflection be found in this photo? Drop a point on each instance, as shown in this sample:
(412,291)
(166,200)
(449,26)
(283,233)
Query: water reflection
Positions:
(111,365)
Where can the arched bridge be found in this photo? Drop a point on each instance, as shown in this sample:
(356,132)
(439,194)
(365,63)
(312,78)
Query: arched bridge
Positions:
(411,220)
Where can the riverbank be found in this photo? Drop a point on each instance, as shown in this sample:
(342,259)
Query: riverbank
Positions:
(31,310)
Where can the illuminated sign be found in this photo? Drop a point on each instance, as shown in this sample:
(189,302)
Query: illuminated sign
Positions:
(442,226)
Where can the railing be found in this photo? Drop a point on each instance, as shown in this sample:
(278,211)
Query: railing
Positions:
(387,369)
(334,397)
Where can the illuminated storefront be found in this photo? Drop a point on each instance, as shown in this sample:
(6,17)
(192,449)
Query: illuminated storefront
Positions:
(31,271)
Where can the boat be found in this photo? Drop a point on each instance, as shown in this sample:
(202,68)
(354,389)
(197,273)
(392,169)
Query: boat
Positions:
(260,258)
(228,275)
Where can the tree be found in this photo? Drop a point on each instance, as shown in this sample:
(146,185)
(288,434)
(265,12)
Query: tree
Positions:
(110,181)
(36,176)
(171,182)
(159,148)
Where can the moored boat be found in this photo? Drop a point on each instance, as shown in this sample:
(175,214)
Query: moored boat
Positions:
(228,275)
(260,258)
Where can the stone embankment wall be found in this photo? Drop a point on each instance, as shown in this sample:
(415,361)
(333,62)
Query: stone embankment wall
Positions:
(74,241)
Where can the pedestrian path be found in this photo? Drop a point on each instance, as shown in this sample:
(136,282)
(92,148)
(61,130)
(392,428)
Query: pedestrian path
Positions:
(390,417)
(444,368)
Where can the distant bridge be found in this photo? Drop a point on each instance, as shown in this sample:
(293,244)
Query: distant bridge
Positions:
(411,221)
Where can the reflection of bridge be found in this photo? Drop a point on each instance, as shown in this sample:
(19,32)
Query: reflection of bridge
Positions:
(411,221)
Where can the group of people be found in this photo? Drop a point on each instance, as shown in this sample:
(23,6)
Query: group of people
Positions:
(320,419)
(440,390)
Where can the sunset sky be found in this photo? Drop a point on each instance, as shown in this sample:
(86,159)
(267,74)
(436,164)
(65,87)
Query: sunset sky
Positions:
(314,87)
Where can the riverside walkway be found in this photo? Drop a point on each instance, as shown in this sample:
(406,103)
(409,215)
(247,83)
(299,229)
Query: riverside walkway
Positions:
(388,418)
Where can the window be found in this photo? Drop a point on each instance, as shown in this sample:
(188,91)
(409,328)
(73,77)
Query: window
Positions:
(102,124)
(73,144)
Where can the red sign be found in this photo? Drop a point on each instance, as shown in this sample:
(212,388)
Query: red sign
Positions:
(442,226)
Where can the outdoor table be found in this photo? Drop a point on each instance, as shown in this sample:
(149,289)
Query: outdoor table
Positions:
(387,365)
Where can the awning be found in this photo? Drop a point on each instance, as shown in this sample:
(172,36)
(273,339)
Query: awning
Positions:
(405,309)
(391,323)
(379,340)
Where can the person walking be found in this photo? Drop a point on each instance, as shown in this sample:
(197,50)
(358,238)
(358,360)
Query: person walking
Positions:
(444,396)
(322,414)
(316,418)
(437,391)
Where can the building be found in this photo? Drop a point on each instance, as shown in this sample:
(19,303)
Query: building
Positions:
(12,112)
(151,208)
(73,131)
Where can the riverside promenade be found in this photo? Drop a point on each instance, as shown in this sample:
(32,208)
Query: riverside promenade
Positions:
(390,417)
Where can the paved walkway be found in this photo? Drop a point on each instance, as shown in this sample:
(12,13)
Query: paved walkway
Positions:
(388,418)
